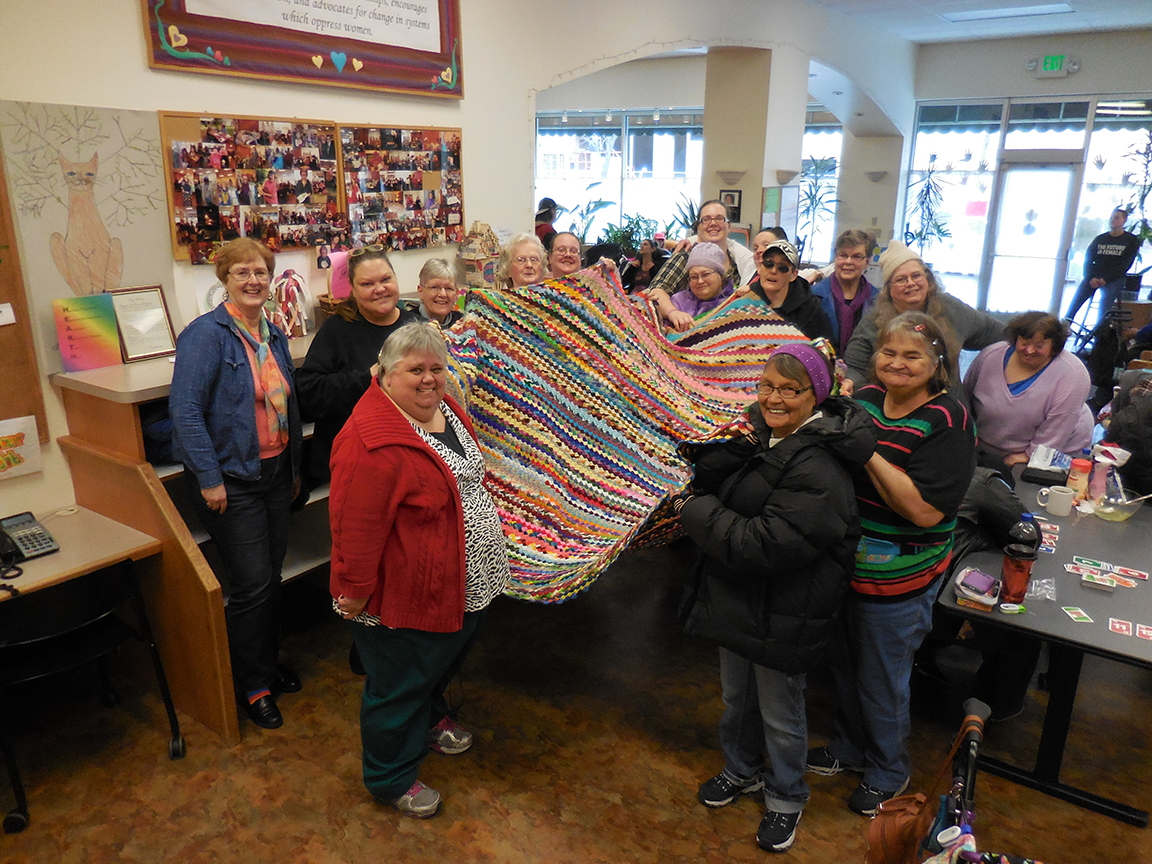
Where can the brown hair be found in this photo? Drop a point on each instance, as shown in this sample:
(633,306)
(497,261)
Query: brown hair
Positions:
(855,237)
(926,330)
(885,311)
(1027,325)
(241,249)
(348,308)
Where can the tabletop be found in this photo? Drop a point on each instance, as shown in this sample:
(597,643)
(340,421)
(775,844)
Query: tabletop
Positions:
(88,542)
(1124,544)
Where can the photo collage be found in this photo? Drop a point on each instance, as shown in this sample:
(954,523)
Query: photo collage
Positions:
(279,181)
(404,186)
(276,181)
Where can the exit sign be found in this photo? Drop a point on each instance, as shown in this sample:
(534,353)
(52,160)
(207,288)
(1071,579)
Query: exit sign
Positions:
(1055,66)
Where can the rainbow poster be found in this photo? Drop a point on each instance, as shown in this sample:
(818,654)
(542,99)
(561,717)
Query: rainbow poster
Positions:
(86,328)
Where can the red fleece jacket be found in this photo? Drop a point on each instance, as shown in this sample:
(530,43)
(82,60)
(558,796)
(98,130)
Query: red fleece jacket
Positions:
(397,522)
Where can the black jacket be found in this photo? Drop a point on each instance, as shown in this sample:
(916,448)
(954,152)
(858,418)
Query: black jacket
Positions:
(777,530)
(802,309)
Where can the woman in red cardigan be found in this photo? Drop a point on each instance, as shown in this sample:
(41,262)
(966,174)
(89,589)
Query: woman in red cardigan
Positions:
(417,556)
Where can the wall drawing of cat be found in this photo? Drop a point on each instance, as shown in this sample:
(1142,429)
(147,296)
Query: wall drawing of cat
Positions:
(89,259)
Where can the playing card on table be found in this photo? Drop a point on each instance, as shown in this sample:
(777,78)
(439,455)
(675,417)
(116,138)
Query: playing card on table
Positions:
(1046,548)
(1077,614)
(1124,628)
(1128,571)
(1089,562)
(1144,631)
(1049,539)
(1050,526)
(1105,583)
(1123,580)
(1081,570)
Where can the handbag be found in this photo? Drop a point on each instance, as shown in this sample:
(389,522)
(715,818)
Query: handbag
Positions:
(897,832)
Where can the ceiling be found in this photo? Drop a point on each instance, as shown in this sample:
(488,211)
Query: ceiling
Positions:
(952,20)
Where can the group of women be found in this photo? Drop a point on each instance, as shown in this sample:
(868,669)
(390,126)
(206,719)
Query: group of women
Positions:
(826,522)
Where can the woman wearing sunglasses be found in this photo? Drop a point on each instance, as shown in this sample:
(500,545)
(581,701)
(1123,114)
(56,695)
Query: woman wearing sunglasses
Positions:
(778,284)
(341,362)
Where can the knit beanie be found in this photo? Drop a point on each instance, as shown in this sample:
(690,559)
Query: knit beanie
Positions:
(894,256)
(815,365)
(709,255)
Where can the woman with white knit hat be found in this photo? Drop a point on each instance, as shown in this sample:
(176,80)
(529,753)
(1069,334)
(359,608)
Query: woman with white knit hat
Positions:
(909,286)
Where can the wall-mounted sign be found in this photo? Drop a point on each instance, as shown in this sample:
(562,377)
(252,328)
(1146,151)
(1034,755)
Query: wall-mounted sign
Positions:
(406,47)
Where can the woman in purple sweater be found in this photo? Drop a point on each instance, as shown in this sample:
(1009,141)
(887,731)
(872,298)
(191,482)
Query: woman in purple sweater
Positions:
(1027,391)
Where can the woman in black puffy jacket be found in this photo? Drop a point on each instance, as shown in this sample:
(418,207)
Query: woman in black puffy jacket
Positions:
(774,514)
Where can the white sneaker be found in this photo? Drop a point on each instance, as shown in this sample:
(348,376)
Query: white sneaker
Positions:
(419,802)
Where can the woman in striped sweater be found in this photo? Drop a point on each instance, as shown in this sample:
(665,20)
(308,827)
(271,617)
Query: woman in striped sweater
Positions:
(908,498)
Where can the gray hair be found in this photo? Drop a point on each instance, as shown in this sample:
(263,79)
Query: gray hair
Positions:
(503,280)
(437,268)
(415,338)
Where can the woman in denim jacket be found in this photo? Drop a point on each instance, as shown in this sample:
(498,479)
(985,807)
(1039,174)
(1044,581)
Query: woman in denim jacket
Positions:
(236,427)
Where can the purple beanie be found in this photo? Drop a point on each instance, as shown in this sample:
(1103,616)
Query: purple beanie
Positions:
(814,364)
(709,255)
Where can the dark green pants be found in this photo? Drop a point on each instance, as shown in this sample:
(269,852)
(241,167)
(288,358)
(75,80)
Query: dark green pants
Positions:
(408,672)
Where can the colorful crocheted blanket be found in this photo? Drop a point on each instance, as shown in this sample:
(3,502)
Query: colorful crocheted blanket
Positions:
(579,402)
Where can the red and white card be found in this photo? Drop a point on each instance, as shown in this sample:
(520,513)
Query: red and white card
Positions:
(1124,628)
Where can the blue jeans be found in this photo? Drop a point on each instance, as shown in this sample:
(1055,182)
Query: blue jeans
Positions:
(251,536)
(1085,291)
(873,685)
(764,711)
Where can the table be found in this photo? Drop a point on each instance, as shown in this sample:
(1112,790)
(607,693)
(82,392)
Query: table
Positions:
(88,542)
(1122,543)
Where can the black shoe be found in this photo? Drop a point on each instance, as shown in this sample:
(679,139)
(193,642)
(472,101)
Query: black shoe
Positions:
(264,713)
(286,680)
(720,791)
(354,662)
(777,830)
(821,761)
(866,799)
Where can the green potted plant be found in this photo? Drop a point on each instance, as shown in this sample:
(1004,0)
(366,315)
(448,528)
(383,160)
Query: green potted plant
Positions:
(925,224)
(817,198)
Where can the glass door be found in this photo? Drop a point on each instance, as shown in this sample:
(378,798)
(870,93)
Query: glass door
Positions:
(1029,256)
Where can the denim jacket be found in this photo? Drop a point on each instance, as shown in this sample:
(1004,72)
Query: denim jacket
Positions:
(212,401)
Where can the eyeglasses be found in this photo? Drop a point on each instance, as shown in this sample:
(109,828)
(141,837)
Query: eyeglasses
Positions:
(527,259)
(778,266)
(439,290)
(375,247)
(701,278)
(785,392)
(844,256)
(244,274)
(904,281)
(704,220)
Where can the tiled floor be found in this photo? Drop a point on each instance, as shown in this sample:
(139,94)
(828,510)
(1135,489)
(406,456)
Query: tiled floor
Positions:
(595,723)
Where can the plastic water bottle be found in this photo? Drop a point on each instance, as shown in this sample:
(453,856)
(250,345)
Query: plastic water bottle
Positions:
(1026,533)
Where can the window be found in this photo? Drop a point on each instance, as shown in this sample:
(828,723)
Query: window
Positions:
(638,163)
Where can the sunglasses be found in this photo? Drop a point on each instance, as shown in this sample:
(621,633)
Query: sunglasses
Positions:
(363,250)
(778,266)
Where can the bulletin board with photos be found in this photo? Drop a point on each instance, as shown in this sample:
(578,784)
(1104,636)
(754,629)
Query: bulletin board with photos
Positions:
(276,180)
(404,187)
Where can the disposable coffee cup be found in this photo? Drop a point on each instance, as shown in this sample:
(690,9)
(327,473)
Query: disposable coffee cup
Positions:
(1057,500)
(1016,572)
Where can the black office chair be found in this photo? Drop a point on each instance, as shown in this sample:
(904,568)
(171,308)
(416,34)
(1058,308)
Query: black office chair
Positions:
(66,626)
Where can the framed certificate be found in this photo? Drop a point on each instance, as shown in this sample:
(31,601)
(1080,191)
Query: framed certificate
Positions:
(143,321)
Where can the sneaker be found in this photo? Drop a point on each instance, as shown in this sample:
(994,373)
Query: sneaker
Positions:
(448,738)
(777,830)
(865,799)
(419,801)
(821,761)
(722,790)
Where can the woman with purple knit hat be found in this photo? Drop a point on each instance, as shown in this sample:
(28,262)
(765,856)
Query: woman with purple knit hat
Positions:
(774,515)
(708,287)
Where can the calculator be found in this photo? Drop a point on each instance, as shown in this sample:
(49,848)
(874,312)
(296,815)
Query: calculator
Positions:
(29,536)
